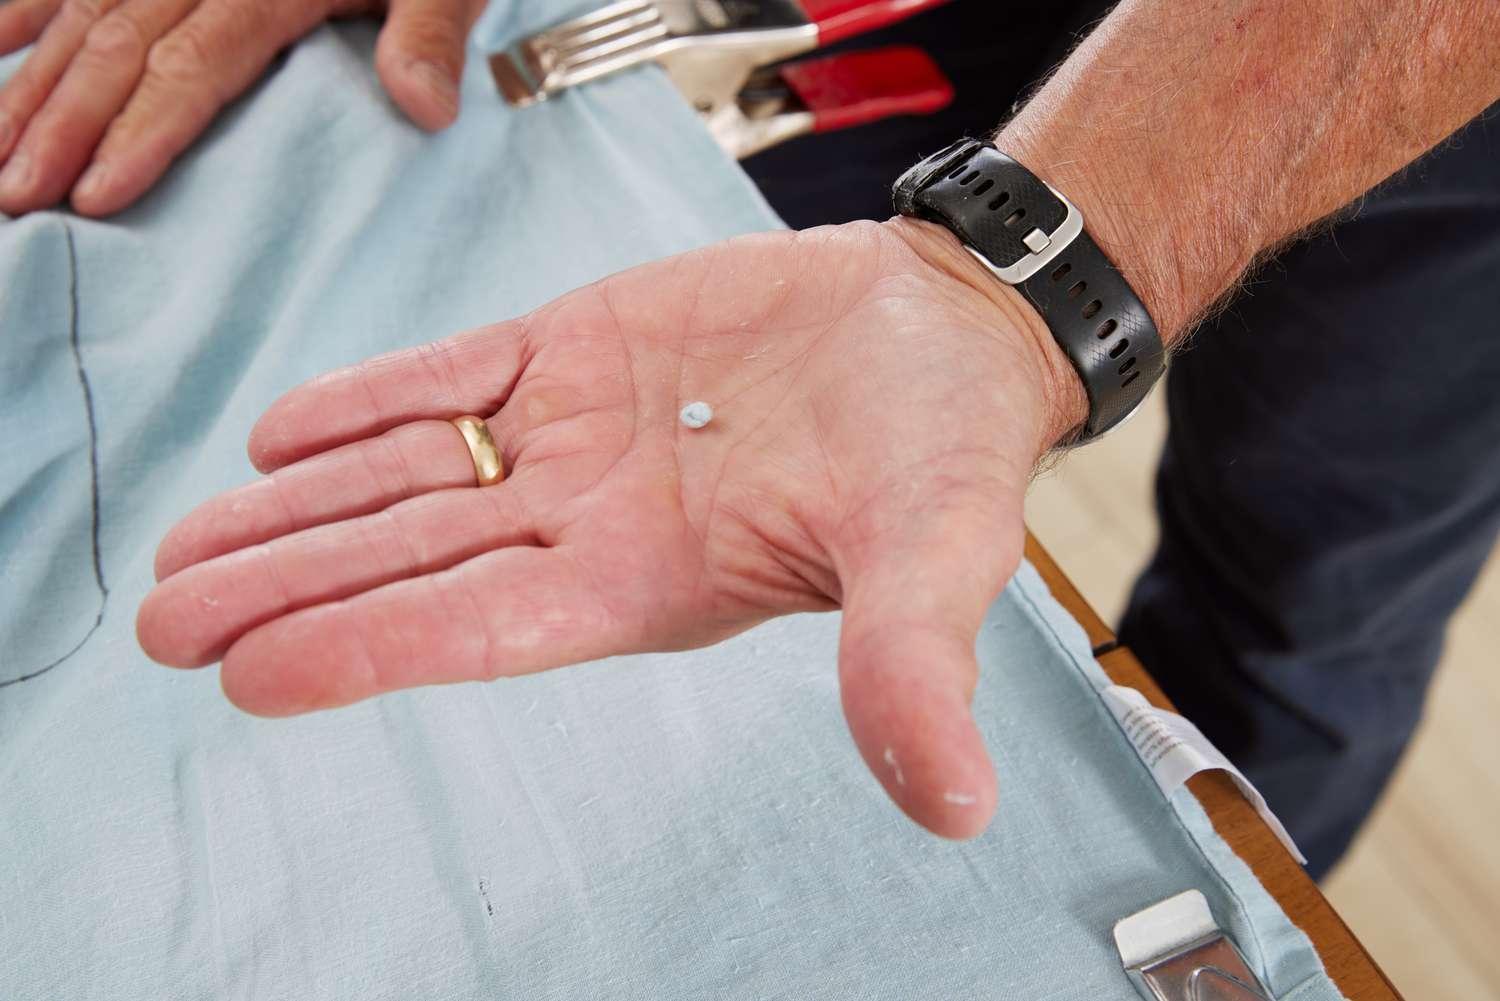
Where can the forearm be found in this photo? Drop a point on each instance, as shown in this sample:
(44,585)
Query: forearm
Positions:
(1194,137)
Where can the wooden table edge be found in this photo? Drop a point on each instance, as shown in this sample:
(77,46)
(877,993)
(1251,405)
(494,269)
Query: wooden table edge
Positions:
(1350,966)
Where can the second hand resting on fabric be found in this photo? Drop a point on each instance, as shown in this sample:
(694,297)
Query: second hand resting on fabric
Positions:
(880,401)
(115,89)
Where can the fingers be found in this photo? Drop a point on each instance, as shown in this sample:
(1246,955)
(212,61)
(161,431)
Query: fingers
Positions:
(508,612)
(470,373)
(907,669)
(25,91)
(130,85)
(193,617)
(190,73)
(63,133)
(356,479)
(21,23)
(420,57)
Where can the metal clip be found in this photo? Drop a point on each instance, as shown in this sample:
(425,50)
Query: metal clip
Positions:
(709,48)
(1174,951)
(715,52)
(828,94)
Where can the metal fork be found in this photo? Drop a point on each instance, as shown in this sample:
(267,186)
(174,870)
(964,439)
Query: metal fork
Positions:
(709,47)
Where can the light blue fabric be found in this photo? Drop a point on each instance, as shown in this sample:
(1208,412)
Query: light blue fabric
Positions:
(678,826)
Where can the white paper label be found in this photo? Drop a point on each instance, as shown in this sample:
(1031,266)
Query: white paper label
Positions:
(1175,750)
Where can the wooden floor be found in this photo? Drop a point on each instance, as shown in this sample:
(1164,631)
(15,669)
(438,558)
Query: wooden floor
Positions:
(1421,887)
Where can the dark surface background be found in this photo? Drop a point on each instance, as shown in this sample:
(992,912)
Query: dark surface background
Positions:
(991,50)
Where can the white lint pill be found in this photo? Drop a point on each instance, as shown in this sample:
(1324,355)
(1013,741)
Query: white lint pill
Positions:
(696,414)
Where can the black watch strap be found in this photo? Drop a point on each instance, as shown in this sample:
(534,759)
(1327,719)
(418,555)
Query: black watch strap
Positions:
(1032,237)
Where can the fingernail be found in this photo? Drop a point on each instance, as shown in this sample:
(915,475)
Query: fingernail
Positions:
(16,178)
(436,79)
(92,181)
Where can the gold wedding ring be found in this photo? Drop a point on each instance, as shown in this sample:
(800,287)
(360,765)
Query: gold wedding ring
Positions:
(488,469)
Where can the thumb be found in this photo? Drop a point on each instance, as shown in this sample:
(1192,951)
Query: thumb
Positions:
(913,606)
(420,57)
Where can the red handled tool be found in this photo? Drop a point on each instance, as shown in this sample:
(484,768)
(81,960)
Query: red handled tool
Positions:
(719,53)
(841,19)
(831,93)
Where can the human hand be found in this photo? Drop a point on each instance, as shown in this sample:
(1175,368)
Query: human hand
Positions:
(121,87)
(880,403)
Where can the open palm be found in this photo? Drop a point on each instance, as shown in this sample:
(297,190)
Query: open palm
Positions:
(877,417)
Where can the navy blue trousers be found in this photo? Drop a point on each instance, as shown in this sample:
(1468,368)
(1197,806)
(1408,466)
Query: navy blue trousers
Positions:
(1330,484)
(1330,489)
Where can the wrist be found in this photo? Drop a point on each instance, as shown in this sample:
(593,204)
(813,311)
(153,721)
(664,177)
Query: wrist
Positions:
(1144,202)
(1140,241)
(1064,405)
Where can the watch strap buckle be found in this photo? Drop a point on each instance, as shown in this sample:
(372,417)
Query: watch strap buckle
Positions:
(1015,222)
(1042,247)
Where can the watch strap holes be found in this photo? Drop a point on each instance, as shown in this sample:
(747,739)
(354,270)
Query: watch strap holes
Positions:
(1012,219)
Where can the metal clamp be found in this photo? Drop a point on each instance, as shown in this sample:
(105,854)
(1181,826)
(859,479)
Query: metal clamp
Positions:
(828,94)
(720,55)
(710,49)
(1174,951)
